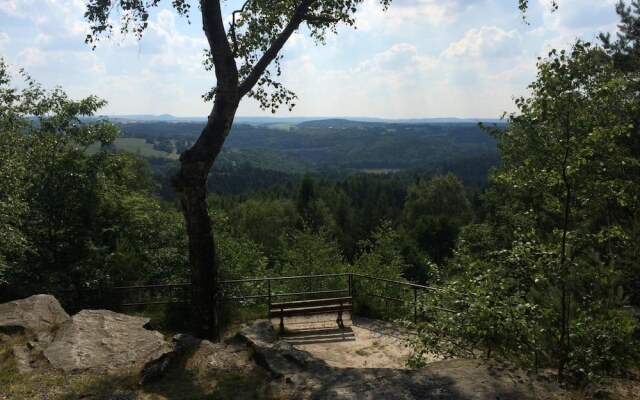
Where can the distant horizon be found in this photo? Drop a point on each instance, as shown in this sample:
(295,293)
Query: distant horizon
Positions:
(171,117)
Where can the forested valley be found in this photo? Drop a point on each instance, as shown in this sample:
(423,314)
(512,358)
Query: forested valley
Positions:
(532,225)
(334,184)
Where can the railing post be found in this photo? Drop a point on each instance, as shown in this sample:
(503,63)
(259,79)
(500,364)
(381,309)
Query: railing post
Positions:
(269,296)
(415,305)
(350,284)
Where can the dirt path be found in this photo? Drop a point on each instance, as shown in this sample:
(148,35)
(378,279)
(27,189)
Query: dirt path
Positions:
(367,360)
(364,343)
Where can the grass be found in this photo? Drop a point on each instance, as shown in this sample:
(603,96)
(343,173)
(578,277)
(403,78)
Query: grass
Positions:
(135,145)
(46,382)
(362,352)
(282,126)
(380,171)
(191,378)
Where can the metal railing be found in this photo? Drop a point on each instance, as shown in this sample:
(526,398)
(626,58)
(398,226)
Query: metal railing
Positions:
(253,291)
(407,293)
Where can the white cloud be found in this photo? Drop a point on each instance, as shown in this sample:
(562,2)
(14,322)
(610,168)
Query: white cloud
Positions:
(15,8)
(575,19)
(486,42)
(297,42)
(372,17)
(31,57)
(4,40)
(420,58)
(43,40)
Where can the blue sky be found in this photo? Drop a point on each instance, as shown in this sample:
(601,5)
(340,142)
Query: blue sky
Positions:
(419,59)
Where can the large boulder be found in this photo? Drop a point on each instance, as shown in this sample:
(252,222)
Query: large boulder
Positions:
(278,357)
(34,314)
(104,340)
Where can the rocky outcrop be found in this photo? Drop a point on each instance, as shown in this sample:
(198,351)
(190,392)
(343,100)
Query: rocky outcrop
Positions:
(104,340)
(278,357)
(34,314)
(157,368)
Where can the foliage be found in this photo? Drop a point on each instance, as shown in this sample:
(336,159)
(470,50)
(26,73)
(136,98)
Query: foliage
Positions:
(380,257)
(70,218)
(625,51)
(608,344)
(567,190)
(434,213)
(240,257)
(311,253)
(267,223)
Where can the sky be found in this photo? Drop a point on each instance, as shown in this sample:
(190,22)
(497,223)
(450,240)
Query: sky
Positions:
(419,59)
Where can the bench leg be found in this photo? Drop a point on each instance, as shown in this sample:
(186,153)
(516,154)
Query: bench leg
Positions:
(281,325)
(339,320)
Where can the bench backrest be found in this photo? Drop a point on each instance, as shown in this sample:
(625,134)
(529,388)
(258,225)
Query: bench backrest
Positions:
(344,301)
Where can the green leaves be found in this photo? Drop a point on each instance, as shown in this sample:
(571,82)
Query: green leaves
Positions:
(434,213)
(134,16)
(549,271)
(69,217)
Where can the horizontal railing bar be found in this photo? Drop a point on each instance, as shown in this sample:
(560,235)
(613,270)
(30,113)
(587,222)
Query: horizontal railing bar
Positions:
(174,293)
(169,285)
(258,296)
(389,298)
(244,280)
(149,303)
(278,278)
(413,285)
(445,309)
(283,278)
(301,293)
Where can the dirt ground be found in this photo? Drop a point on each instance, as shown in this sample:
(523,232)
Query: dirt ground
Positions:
(363,343)
(369,344)
(364,361)
(367,360)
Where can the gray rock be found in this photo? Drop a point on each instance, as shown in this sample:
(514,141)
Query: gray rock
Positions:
(34,314)
(23,359)
(277,357)
(156,369)
(260,333)
(104,340)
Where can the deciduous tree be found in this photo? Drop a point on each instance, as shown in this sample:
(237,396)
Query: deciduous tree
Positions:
(567,188)
(246,59)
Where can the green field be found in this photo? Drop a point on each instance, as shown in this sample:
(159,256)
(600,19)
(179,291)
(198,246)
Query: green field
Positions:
(281,127)
(140,146)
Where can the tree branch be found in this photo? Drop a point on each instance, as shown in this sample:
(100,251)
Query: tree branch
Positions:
(233,26)
(271,53)
(320,19)
(223,60)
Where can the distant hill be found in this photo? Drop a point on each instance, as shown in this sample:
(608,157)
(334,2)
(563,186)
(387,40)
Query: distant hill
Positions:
(337,144)
(292,120)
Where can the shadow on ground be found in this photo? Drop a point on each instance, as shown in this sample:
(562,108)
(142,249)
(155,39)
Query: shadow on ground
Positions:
(316,336)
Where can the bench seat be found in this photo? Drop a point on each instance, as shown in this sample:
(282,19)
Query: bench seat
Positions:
(311,307)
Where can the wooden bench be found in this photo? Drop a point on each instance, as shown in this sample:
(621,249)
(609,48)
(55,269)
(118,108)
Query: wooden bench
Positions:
(310,307)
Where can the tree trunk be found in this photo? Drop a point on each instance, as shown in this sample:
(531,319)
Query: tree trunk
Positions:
(203,261)
(565,299)
(190,184)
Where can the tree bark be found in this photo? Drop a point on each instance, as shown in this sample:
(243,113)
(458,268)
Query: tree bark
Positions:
(190,183)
